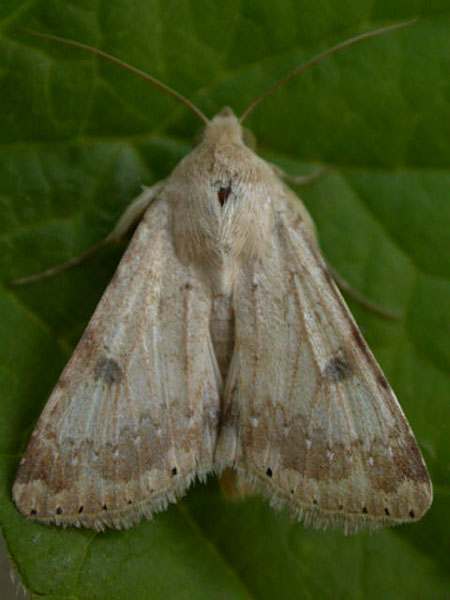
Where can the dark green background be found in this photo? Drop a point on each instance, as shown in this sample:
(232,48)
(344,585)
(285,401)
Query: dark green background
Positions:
(79,137)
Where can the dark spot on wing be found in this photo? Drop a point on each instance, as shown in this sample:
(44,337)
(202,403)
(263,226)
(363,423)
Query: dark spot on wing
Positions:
(337,369)
(356,336)
(108,370)
(223,193)
(269,472)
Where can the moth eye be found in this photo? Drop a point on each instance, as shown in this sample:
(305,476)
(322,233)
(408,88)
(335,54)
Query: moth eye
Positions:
(80,510)
(364,510)
(33,511)
(386,512)
(412,514)
(104,507)
(174,471)
(269,472)
(59,511)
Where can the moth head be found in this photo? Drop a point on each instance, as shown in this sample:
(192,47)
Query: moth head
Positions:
(223,129)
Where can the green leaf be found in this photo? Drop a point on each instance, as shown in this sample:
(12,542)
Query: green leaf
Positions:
(78,139)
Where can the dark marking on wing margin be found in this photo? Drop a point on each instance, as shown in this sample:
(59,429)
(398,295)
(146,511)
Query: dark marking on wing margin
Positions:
(382,381)
(62,383)
(360,342)
(355,333)
(108,370)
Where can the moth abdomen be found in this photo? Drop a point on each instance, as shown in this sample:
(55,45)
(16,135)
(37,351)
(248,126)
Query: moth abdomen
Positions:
(221,327)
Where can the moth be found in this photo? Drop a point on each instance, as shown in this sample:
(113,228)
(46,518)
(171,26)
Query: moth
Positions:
(222,345)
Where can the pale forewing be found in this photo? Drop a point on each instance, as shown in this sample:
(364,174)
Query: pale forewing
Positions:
(309,418)
(133,418)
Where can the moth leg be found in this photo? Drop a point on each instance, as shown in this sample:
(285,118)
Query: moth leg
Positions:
(300,179)
(129,218)
(344,285)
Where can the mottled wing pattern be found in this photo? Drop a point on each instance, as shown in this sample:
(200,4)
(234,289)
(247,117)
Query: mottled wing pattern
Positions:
(133,418)
(309,418)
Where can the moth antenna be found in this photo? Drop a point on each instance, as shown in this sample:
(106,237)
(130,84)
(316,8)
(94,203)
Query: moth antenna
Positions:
(122,65)
(320,57)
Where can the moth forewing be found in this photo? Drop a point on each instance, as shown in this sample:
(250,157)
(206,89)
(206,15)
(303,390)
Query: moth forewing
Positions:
(222,343)
(133,418)
(318,428)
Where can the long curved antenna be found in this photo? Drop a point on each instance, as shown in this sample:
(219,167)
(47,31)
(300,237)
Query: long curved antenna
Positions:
(122,65)
(320,57)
